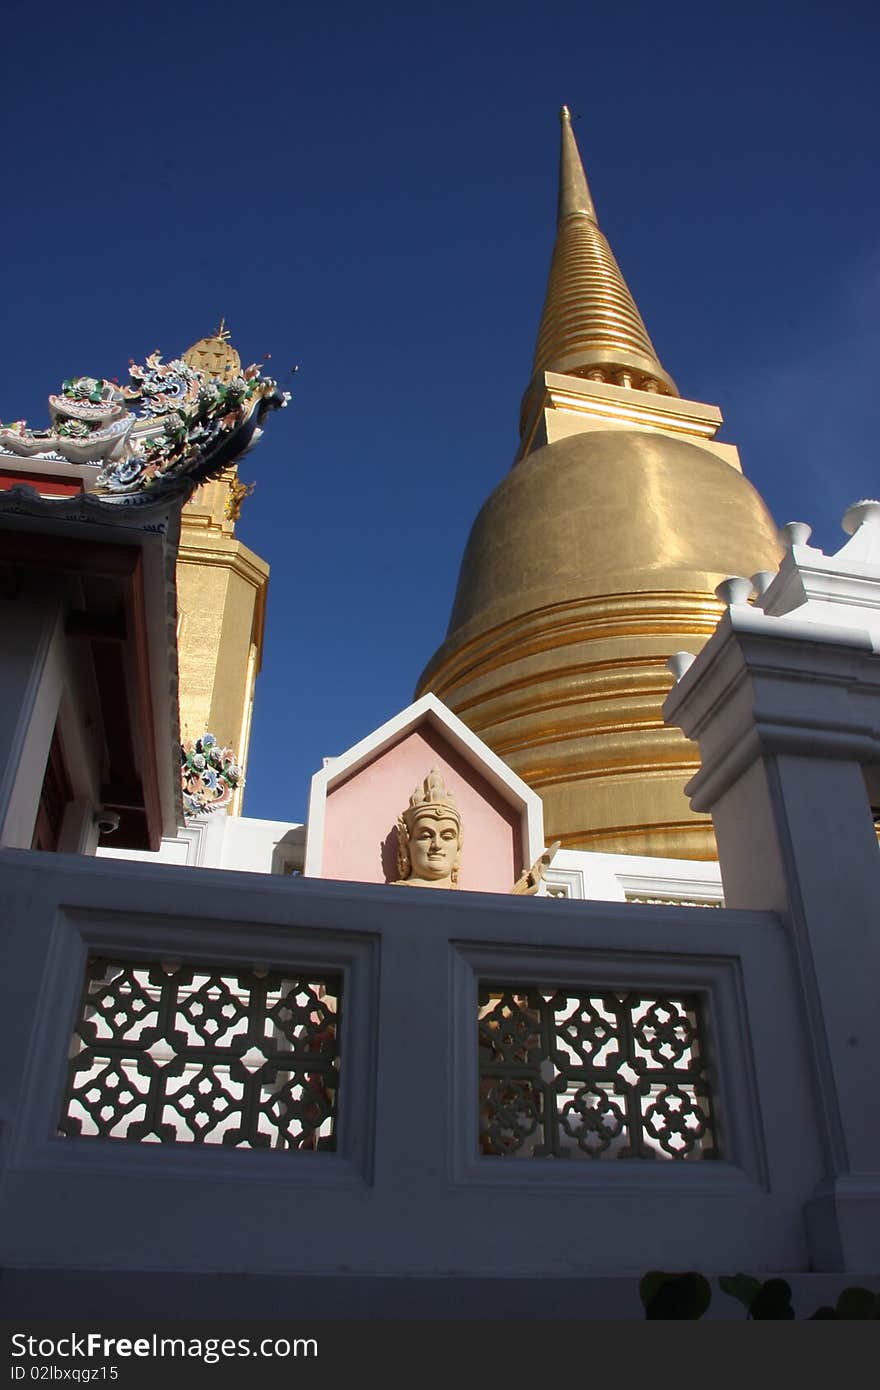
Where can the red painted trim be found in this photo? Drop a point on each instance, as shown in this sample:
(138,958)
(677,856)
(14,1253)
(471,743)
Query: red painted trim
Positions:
(47,485)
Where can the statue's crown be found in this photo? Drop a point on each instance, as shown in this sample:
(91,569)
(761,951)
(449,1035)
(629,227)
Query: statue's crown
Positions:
(432,795)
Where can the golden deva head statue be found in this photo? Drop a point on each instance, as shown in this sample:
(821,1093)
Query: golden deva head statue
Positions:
(429,836)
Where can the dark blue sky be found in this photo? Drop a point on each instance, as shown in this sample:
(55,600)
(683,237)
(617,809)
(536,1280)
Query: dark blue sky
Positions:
(370,192)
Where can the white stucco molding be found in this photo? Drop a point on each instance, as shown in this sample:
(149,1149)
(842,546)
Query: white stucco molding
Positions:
(842,589)
(787,685)
(431,711)
(592,876)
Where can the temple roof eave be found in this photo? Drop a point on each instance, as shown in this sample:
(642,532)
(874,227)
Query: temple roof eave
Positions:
(189,427)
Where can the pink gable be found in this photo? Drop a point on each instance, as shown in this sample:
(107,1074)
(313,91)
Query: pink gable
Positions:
(360,826)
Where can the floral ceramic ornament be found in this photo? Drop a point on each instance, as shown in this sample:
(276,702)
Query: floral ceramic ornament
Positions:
(209,775)
(170,428)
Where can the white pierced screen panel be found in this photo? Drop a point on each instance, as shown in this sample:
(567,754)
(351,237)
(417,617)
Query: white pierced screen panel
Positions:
(580,1073)
(165,1052)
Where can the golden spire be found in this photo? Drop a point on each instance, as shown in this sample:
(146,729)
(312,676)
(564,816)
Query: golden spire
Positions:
(590,326)
(574,191)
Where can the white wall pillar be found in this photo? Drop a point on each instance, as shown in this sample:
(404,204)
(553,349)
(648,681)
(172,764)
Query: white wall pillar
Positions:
(787,715)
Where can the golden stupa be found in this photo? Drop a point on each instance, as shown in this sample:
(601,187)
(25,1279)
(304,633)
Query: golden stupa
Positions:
(596,559)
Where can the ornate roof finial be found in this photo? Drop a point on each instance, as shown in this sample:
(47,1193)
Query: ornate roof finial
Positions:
(223,332)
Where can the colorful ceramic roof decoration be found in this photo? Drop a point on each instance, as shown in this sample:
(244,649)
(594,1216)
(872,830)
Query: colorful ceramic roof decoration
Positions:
(209,775)
(171,426)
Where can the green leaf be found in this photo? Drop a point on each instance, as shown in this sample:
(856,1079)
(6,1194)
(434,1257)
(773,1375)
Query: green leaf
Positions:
(772,1302)
(741,1286)
(651,1284)
(675,1296)
(858,1303)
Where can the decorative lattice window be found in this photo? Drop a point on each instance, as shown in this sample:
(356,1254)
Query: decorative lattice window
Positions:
(578,1073)
(171,1053)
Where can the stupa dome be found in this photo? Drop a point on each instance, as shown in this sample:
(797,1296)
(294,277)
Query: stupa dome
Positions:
(604,512)
(592,562)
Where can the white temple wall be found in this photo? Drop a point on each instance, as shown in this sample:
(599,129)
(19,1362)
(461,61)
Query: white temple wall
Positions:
(218,841)
(619,878)
(407,1191)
